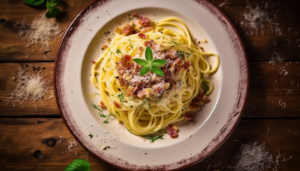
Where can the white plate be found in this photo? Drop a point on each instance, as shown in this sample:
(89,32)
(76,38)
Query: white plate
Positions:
(215,123)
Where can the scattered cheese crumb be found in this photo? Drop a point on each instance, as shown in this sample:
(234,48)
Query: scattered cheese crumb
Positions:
(252,157)
(257,19)
(29,87)
(40,31)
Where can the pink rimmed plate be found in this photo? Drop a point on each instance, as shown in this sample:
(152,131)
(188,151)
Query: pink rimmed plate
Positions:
(215,122)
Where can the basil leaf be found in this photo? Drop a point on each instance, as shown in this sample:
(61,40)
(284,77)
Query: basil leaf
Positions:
(78,165)
(144,70)
(157,71)
(158,62)
(33,2)
(148,54)
(52,12)
(141,61)
(55,1)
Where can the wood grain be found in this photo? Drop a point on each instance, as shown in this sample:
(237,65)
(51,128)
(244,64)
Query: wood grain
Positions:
(13,13)
(31,152)
(268,85)
(262,45)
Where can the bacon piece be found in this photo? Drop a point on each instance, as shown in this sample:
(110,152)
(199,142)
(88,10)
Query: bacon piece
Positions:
(172,53)
(176,61)
(125,60)
(127,57)
(145,92)
(186,65)
(145,29)
(172,132)
(149,43)
(102,105)
(189,117)
(198,102)
(134,14)
(168,75)
(122,82)
(142,36)
(127,30)
(135,90)
(177,69)
(93,62)
(158,87)
(117,105)
(206,100)
(144,21)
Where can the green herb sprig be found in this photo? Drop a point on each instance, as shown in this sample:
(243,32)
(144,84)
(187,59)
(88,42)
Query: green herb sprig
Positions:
(52,12)
(107,118)
(150,64)
(121,96)
(155,138)
(78,164)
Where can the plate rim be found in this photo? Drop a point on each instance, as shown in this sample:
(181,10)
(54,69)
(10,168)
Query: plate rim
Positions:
(234,116)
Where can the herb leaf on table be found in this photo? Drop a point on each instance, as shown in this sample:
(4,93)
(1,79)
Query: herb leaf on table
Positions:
(78,165)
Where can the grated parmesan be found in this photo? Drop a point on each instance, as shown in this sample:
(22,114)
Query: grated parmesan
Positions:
(252,157)
(257,19)
(39,31)
(28,87)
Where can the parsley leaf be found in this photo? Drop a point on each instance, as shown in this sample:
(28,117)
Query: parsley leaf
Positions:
(91,135)
(107,118)
(118,51)
(130,44)
(121,96)
(106,147)
(155,138)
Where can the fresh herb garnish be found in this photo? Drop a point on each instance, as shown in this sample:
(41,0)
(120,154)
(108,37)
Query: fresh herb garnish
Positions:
(174,42)
(188,54)
(107,147)
(99,110)
(118,51)
(130,44)
(34,2)
(157,38)
(97,94)
(78,165)
(180,54)
(102,115)
(144,102)
(150,64)
(121,96)
(107,118)
(146,153)
(204,84)
(91,135)
(53,11)
(154,138)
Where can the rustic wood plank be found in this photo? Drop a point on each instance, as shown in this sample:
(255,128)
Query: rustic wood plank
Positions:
(31,152)
(270,38)
(258,46)
(268,85)
(12,13)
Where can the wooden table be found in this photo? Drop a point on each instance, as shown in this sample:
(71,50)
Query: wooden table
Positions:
(28,130)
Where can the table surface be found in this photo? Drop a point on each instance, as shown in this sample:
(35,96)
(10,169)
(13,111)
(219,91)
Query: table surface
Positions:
(28,130)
